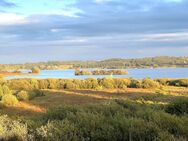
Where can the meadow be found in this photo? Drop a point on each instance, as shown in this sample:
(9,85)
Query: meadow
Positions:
(94,109)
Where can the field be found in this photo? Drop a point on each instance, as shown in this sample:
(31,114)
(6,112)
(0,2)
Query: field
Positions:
(94,110)
(55,98)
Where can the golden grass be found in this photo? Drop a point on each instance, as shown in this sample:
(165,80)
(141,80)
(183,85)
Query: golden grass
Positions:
(84,97)
(30,107)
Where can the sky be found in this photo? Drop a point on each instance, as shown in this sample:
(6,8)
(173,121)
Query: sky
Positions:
(48,30)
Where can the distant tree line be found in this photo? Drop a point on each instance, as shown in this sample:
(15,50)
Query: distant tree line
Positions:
(100,72)
(150,62)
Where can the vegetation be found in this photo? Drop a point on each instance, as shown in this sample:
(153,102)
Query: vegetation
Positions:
(23,95)
(110,109)
(92,83)
(178,107)
(100,72)
(152,62)
(35,70)
(9,100)
(118,120)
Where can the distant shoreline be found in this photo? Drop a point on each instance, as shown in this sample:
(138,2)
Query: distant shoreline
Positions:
(16,74)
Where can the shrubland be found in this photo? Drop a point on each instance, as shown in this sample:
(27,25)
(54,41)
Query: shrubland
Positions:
(138,119)
(112,121)
(92,83)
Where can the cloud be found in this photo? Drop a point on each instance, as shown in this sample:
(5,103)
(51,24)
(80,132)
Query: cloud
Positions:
(102,28)
(4,3)
(11,19)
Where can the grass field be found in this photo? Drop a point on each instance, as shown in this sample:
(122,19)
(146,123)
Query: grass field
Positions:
(55,98)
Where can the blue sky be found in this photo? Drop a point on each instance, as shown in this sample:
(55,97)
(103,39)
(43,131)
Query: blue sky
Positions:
(46,30)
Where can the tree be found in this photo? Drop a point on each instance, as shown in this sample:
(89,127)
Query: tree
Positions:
(9,100)
(35,70)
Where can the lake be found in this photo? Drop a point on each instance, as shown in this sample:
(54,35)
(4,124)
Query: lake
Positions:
(135,73)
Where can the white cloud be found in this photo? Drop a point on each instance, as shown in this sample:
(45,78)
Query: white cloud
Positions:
(11,19)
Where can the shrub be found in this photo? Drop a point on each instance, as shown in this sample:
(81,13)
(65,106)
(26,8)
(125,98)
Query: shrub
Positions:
(35,93)
(4,90)
(183,82)
(178,107)
(23,95)
(135,83)
(163,81)
(149,83)
(52,83)
(71,85)
(35,70)
(12,130)
(107,82)
(122,83)
(9,100)
(43,83)
(20,84)
(91,83)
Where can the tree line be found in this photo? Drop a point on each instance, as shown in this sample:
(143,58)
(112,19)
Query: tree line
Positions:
(150,62)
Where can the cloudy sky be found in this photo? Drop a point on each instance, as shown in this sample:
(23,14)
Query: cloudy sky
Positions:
(43,30)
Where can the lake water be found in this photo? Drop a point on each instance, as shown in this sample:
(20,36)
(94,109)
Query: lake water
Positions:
(135,73)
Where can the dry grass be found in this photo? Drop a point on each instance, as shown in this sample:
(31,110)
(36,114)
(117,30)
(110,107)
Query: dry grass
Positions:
(83,97)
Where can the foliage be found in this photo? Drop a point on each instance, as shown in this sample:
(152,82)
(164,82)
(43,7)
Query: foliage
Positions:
(35,93)
(13,130)
(4,90)
(149,83)
(23,96)
(120,120)
(100,72)
(162,61)
(178,107)
(91,83)
(9,100)
(107,82)
(35,70)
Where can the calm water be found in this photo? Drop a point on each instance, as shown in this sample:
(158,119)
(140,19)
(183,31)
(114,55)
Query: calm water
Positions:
(135,73)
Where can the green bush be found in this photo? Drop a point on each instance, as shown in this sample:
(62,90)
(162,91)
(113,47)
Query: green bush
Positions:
(9,100)
(135,83)
(36,93)
(23,95)
(178,107)
(163,81)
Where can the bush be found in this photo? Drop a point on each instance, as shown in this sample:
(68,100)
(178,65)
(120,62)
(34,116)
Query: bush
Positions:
(178,107)
(135,83)
(121,83)
(71,85)
(20,84)
(9,100)
(36,93)
(35,70)
(107,83)
(43,83)
(12,130)
(163,81)
(23,95)
(91,83)
(4,90)
(149,83)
